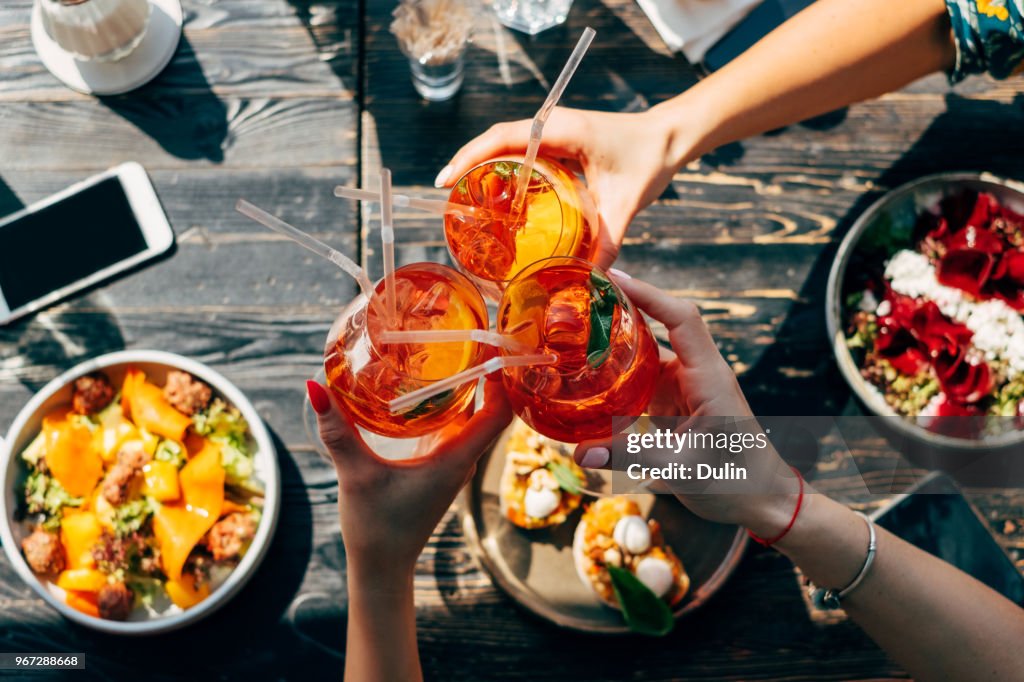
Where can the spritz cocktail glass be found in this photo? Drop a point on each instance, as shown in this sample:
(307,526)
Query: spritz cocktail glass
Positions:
(608,360)
(558,218)
(365,374)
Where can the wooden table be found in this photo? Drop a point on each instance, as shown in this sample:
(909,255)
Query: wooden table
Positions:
(278,101)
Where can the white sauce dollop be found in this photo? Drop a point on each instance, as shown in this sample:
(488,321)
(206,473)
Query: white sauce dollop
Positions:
(632,534)
(656,574)
(541,503)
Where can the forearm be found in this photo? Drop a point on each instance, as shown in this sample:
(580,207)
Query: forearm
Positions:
(832,54)
(936,621)
(381,642)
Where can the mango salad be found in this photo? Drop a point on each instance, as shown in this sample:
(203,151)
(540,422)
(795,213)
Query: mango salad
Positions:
(140,499)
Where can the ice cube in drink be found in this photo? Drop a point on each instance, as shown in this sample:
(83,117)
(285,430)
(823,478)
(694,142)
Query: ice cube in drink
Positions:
(366,375)
(607,357)
(558,217)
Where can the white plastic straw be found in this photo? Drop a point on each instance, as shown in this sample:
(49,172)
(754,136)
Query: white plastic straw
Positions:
(416,397)
(429,205)
(450,336)
(555,94)
(313,244)
(387,238)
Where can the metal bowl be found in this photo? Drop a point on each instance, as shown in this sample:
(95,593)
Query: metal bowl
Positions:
(536,569)
(930,448)
(58,392)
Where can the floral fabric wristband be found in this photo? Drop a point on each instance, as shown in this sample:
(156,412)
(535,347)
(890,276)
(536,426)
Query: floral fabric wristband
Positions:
(989,36)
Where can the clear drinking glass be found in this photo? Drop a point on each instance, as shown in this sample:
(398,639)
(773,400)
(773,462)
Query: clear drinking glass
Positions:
(532,16)
(559,218)
(437,82)
(607,363)
(365,375)
(96,30)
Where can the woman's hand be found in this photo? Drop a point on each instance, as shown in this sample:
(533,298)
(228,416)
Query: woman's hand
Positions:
(696,381)
(628,160)
(388,511)
(389,508)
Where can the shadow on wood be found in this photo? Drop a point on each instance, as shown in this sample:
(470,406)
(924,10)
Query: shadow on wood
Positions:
(326,21)
(193,127)
(39,347)
(9,201)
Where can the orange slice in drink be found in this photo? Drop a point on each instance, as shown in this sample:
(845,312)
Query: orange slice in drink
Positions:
(539,237)
(445,359)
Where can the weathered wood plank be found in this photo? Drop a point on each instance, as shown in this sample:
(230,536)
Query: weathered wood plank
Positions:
(246,62)
(243,276)
(177,132)
(270,48)
(200,201)
(746,232)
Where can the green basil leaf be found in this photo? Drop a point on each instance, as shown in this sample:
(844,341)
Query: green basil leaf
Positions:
(596,358)
(602,313)
(566,477)
(644,612)
(428,405)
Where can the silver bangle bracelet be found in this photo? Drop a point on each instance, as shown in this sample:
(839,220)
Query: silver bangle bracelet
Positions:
(830,599)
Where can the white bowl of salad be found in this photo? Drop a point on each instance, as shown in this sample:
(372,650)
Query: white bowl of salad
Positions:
(140,492)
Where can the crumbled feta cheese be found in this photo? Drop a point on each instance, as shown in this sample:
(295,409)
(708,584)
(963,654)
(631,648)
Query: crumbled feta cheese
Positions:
(998,328)
(868,302)
(932,408)
(612,557)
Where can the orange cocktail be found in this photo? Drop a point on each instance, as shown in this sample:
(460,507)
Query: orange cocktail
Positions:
(607,356)
(365,374)
(558,218)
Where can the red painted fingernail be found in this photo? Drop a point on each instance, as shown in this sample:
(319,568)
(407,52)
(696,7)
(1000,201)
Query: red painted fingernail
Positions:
(318,397)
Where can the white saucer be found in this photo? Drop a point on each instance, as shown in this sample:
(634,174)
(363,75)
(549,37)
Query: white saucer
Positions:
(114,78)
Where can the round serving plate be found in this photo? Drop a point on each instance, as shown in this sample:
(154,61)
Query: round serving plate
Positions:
(975,460)
(155,364)
(535,567)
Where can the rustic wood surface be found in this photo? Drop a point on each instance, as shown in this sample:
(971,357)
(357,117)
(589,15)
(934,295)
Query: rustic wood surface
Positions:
(278,101)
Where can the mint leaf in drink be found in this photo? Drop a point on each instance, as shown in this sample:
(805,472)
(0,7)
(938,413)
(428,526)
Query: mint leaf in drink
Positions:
(428,405)
(602,313)
(566,477)
(643,611)
(504,169)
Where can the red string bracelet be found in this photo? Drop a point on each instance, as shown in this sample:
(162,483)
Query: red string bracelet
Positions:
(789,526)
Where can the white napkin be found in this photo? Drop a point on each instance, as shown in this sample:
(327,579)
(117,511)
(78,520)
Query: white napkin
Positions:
(694,26)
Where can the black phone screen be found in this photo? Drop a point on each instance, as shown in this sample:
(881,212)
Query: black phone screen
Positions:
(941,522)
(67,241)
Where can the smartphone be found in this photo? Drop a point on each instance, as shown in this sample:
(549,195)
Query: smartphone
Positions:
(937,518)
(761,21)
(79,237)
